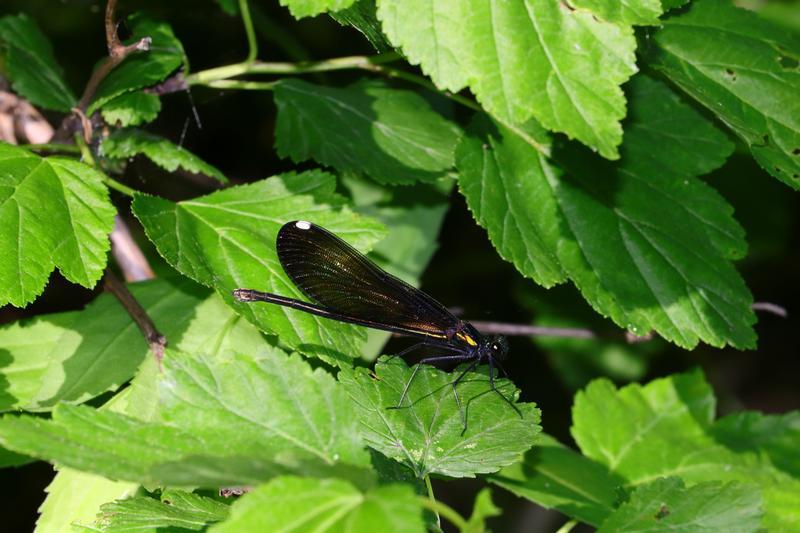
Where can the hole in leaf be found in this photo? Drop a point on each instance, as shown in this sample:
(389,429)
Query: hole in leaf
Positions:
(765,138)
(796,176)
(663,512)
(796,151)
(788,62)
(166,502)
(731,74)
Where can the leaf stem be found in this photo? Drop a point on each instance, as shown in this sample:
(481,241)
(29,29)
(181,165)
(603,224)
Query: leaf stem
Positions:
(432,499)
(242,85)
(203,77)
(219,77)
(83,148)
(252,45)
(445,510)
(155,340)
(53,148)
(567,527)
(88,158)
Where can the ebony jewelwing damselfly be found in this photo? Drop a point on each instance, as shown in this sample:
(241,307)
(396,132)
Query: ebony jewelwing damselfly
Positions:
(346,286)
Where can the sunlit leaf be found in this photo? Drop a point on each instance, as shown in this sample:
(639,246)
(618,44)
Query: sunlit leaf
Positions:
(745,71)
(308,8)
(176,508)
(224,421)
(427,433)
(557,477)
(327,505)
(667,505)
(54,212)
(627,234)
(535,58)
(666,428)
(226,240)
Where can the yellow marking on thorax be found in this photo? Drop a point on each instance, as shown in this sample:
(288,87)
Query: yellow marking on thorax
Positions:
(466,338)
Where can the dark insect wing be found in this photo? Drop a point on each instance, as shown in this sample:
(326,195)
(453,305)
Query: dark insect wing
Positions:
(332,273)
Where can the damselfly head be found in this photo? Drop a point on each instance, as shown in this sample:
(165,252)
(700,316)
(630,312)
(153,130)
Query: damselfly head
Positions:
(495,346)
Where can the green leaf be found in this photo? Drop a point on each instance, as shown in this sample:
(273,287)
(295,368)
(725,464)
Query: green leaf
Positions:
(31,66)
(141,69)
(502,176)
(76,497)
(390,134)
(54,212)
(623,11)
(132,109)
(226,240)
(484,508)
(626,234)
(176,508)
(562,66)
(426,433)
(77,355)
(308,8)
(362,16)
(9,458)
(557,477)
(231,7)
(123,144)
(226,421)
(772,437)
(324,505)
(666,428)
(745,71)
(667,505)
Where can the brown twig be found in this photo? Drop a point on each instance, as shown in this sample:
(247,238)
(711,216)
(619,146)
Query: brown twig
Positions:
(155,339)
(526,330)
(127,253)
(117,52)
(173,84)
(768,307)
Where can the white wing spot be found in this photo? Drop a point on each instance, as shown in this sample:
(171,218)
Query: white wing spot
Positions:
(302,224)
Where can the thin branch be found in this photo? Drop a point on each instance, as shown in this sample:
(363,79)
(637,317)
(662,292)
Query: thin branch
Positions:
(242,85)
(53,148)
(173,84)
(444,510)
(247,21)
(261,67)
(768,307)
(88,158)
(127,253)
(526,330)
(155,340)
(117,52)
(219,77)
(567,527)
(432,498)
